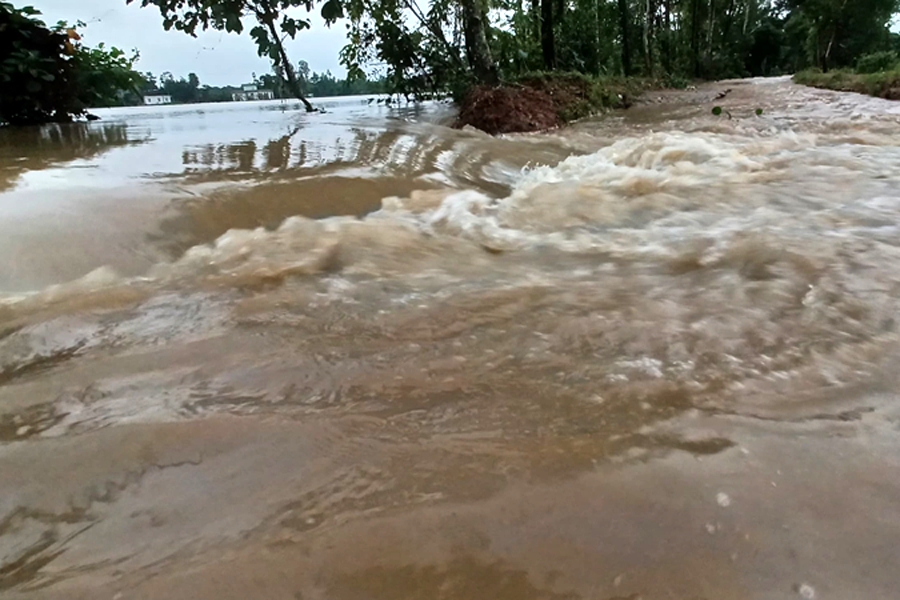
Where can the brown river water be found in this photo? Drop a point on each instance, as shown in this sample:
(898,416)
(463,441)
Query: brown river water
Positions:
(247,352)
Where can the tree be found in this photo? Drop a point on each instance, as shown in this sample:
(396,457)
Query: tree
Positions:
(48,74)
(273,24)
(477,50)
(624,20)
(271,81)
(433,47)
(302,75)
(103,74)
(841,30)
(149,82)
(181,90)
(548,42)
(420,51)
(36,71)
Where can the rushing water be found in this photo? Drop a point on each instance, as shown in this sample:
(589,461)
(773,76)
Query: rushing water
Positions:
(247,352)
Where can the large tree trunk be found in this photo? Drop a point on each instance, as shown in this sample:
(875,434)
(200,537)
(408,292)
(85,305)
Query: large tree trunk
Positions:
(728,20)
(747,10)
(548,43)
(626,46)
(478,50)
(827,56)
(285,63)
(695,36)
(648,24)
(667,25)
(598,31)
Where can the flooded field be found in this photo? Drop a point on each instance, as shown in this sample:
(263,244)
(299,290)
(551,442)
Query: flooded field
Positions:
(247,352)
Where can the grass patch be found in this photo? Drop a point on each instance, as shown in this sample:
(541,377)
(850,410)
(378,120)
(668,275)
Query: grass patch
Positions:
(882,84)
(577,96)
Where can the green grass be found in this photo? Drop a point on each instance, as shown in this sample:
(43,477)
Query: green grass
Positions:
(577,95)
(883,84)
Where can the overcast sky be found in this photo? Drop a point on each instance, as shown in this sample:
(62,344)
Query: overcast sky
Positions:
(218,58)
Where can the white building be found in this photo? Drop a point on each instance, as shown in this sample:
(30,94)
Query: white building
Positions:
(250,91)
(154,99)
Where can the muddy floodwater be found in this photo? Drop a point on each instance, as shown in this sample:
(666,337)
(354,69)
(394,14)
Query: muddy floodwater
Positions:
(250,353)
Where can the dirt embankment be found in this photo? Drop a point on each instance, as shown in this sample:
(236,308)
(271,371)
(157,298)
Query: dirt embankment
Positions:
(544,101)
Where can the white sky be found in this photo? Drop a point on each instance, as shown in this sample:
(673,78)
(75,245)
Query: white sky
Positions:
(217,58)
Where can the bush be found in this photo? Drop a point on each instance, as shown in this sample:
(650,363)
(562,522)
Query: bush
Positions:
(37,73)
(884,84)
(876,62)
(675,81)
(47,75)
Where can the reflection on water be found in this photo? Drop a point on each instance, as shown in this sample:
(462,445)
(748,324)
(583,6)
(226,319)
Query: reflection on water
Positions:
(363,355)
(25,149)
(372,149)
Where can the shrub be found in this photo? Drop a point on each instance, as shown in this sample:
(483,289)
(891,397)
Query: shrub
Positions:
(877,61)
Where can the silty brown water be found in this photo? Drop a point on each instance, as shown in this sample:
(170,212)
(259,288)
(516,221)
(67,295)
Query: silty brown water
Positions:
(248,352)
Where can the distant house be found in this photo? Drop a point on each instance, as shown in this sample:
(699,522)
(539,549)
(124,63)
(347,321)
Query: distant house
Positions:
(154,99)
(250,91)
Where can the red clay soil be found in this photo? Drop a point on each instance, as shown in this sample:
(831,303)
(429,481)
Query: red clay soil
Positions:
(508,109)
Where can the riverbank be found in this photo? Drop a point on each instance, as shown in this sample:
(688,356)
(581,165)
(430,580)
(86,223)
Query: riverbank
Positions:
(543,101)
(882,84)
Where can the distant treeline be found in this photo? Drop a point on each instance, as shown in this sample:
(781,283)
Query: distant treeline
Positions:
(189,90)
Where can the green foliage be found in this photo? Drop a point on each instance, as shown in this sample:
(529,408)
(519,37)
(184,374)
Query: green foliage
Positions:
(838,31)
(187,90)
(576,95)
(427,48)
(719,111)
(47,74)
(182,90)
(273,24)
(673,41)
(36,72)
(675,81)
(321,85)
(410,45)
(876,74)
(103,74)
(884,84)
(884,60)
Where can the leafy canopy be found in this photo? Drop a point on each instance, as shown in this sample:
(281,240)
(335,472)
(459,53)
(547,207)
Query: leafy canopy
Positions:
(48,74)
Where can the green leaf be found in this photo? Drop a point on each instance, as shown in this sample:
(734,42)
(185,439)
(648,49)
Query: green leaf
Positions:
(261,37)
(289,26)
(233,23)
(759,112)
(332,10)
